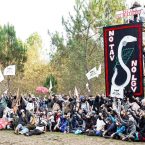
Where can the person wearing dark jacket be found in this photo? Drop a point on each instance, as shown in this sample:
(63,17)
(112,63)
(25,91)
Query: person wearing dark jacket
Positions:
(97,103)
(22,122)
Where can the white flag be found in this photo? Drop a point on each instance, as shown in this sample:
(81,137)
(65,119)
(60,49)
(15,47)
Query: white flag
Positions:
(87,87)
(92,73)
(50,85)
(76,93)
(99,70)
(10,70)
(5,92)
(1,76)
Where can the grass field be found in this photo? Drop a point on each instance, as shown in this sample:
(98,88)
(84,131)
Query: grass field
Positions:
(9,138)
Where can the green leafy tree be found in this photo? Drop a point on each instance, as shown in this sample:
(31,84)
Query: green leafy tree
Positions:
(35,71)
(12,49)
(82,47)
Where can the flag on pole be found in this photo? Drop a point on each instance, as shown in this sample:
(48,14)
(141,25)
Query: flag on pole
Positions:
(18,92)
(70,93)
(87,87)
(99,70)
(5,92)
(50,85)
(76,93)
(1,76)
(92,73)
(10,70)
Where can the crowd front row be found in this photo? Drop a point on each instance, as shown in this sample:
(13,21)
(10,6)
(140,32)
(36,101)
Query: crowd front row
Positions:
(102,116)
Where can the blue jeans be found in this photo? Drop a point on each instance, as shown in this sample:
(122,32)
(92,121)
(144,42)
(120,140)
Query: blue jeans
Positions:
(23,129)
(99,133)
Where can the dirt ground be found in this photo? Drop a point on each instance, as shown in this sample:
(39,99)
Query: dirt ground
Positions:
(9,138)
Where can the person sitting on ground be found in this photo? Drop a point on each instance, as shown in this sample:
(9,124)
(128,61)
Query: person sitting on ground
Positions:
(110,121)
(63,123)
(118,134)
(100,125)
(130,127)
(84,105)
(40,127)
(21,127)
(50,121)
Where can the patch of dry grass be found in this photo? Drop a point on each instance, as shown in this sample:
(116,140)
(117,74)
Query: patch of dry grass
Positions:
(51,138)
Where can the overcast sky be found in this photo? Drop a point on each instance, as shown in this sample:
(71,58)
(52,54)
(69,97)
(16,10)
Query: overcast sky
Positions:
(30,16)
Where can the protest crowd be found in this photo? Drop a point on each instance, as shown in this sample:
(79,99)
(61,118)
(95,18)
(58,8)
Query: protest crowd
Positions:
(102,116)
